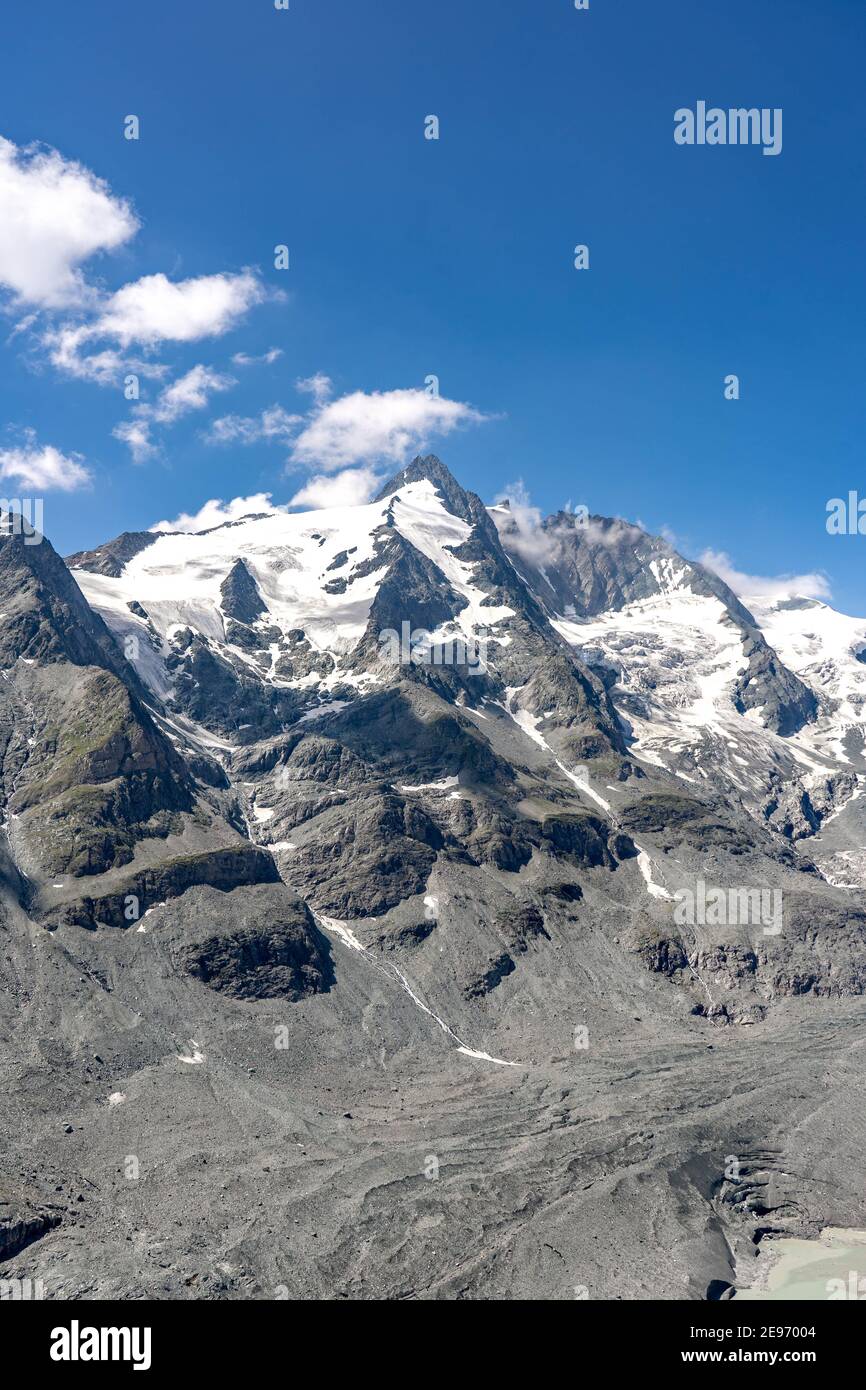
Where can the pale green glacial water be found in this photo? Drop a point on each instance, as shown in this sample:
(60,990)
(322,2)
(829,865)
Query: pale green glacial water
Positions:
(831,1268)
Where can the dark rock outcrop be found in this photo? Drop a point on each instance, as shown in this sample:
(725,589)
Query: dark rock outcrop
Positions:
(112,558)
(251,943)
(128,900)
(240,597)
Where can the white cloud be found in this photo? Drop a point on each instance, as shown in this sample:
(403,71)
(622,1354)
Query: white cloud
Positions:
(192,391)
(347,489)
(523,534)
(275,423)
(189,392)
(385,426)
(64,349)
(136,434)
(42,468)
(615,532)
(243,359)
(319,386)
(105,367)
(151,311)
(54,215)
(22,326)
(216,513)
(814,585)
(521,529)
(156,309)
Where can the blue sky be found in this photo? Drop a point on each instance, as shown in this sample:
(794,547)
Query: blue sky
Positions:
(412,257)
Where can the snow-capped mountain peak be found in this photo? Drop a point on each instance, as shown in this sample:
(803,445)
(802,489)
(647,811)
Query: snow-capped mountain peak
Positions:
(283,615)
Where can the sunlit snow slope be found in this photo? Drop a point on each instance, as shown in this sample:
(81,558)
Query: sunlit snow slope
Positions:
(317,573)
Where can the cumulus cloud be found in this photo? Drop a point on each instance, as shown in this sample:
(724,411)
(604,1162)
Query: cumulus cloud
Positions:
(347,489)
(380,426)
(217,513)
(149,312)
(810,585)
(42,468)
(54,215)
(272,424)
(156,309)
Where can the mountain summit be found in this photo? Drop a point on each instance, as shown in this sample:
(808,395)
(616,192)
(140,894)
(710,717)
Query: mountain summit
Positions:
(318,823)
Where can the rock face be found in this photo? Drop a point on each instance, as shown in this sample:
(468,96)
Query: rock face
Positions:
(20,1225)
(602,565)
(112,558)
(100,803)
(46,618)
(241,599)
(97,778)
(249,943)
(133,895)
(400,834)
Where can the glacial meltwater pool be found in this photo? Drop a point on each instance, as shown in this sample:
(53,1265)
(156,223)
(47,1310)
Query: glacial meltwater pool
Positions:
(831,1268)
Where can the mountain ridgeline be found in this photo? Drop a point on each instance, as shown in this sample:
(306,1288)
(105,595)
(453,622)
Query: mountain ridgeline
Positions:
(424,784)
(189,706)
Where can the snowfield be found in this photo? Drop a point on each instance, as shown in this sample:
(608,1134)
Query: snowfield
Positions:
(293,557)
